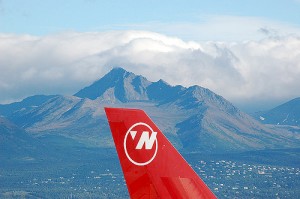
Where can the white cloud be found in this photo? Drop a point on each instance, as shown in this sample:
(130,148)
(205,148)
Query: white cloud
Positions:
(64,63)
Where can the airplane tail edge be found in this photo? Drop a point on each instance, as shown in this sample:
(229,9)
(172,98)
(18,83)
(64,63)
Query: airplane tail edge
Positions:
(152,167)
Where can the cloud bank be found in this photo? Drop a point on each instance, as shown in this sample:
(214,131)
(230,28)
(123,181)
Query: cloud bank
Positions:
(254,71)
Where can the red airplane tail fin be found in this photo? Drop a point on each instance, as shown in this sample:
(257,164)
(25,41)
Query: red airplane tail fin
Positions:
(152,167)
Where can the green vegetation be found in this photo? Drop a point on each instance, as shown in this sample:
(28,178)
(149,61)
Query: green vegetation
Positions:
(95,173)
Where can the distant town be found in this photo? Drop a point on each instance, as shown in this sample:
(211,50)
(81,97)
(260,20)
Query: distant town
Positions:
(92,178)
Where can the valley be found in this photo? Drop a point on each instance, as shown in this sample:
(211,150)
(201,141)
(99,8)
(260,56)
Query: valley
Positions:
(91,173)
(60,146)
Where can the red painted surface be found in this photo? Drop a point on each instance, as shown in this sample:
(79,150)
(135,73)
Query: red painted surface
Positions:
(152,167)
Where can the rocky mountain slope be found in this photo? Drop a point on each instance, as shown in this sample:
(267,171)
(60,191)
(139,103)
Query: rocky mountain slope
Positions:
(194,118)
(284,114)
(16,144)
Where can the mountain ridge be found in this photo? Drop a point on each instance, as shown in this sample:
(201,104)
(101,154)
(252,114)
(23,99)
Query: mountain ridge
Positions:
(287,113)
(117,79)
(193,118)
(16,144)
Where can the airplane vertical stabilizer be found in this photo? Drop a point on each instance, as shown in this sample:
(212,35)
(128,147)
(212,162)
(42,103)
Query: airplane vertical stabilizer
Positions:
(152,167)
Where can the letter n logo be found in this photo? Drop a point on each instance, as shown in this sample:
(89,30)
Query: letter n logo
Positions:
(141,146)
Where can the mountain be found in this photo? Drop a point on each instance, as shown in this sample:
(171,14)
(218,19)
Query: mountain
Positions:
(284,114)
(25,105)
(70,116)
(194,118)
(119,85)
(15,143)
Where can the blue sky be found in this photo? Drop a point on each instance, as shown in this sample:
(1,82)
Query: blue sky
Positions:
(248,51)
(50,16)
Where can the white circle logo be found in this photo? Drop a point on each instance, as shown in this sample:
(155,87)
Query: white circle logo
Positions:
(140,144)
